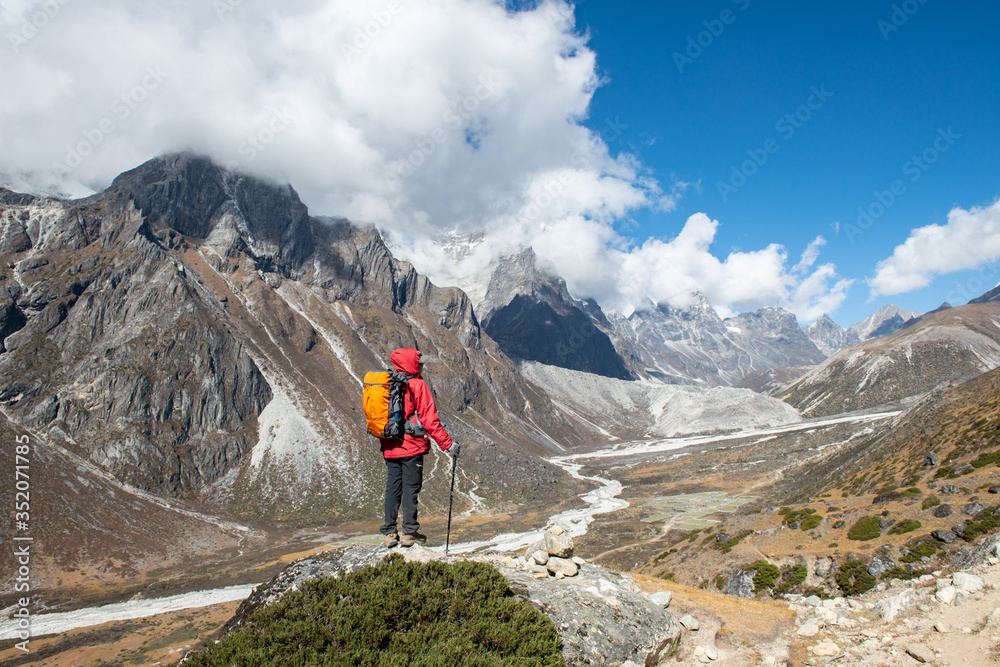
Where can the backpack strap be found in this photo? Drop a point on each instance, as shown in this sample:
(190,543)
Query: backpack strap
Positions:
(412,426)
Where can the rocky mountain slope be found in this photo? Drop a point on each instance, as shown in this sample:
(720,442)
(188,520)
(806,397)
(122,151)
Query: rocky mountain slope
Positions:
(647,409)
(695,346)
(889,530)
(86,527)
(953,345)
(991,295)
(197,334)
(830,336)
(882,322)
(940,437)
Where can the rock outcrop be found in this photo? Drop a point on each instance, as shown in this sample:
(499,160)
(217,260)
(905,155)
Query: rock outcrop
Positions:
(602,617)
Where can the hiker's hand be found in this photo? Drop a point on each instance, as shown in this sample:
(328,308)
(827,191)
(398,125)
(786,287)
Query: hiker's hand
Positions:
(454,450)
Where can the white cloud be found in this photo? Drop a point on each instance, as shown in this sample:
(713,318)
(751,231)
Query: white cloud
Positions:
(422,117)
(595,262)
(968,240)
(810,255)
(814,295)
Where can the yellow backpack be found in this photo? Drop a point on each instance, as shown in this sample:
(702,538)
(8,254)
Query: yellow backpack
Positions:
(383,402)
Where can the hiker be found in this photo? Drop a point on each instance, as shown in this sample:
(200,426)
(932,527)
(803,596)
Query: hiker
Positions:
(404,459)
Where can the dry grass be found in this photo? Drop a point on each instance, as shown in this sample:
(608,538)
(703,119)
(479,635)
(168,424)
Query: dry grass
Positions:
(743,621)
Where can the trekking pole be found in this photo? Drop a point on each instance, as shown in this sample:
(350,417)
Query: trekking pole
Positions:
(451,498)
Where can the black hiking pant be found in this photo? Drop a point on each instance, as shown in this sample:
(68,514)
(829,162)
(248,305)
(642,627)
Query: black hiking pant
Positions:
(403,483)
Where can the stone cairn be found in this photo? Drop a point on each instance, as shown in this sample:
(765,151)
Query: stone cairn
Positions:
(551,556)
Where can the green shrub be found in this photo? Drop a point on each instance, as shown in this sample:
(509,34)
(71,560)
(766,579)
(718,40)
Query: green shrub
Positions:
(921,548)
(984,460)
(765,576)
(720,582)
(396,613)
(790,578)
(929,502)
(730,544)
(898,572)
(853,578)
(904,526)
(980,526)
(912,491)
(805,517)
(811,522)
(864,529)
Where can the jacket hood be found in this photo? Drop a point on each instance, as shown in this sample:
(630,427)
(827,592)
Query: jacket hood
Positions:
(406,360)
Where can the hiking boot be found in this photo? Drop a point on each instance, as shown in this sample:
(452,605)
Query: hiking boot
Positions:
(409,539)
(391,541)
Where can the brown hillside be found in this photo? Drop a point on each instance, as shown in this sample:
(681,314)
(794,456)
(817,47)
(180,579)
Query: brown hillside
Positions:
(953,345)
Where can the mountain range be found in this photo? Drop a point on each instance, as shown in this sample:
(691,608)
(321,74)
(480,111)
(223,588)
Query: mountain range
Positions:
(533,317)
(192,338)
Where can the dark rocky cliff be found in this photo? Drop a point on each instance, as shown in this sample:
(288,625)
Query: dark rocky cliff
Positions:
(532,316)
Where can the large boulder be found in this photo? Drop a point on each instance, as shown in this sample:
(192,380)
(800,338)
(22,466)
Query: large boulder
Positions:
(601,616)
(943,511)
(741,584)
(972,509)
(945,536)
(881,563)
(559,543)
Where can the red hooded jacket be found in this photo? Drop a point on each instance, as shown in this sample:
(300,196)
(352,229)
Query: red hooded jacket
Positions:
(417,399)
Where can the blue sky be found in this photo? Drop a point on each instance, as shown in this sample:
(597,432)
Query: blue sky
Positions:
(645,151)
(894,85)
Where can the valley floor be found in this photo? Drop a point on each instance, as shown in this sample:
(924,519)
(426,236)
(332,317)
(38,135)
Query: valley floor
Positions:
(679,496)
